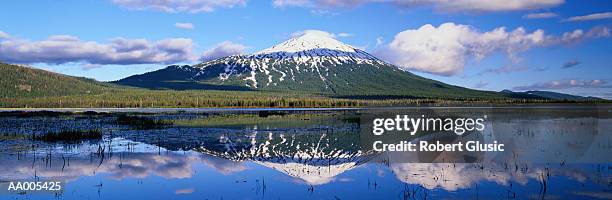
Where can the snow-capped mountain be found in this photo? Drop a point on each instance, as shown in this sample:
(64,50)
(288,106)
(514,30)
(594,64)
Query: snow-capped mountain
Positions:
(311,54)
(313,62)
(312,160)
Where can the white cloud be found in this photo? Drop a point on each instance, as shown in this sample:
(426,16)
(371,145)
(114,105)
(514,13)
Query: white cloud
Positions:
(184,191)
(444,5)
(59,49)
(322,33)
(172,6)
(444,50)
(543,15)
(579,34)
(492,5)
(180,46)
(573,36)
(504,70)
(4,35)
(565,84)
(595,16)
(344,35)
(223,49)
(379,41)
(291,3)
(318,32)
(186,26)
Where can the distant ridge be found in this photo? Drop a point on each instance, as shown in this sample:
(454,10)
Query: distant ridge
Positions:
(24,81)
(548,95)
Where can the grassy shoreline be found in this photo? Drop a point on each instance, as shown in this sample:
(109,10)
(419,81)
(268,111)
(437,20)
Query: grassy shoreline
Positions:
(305,103)
(134,98)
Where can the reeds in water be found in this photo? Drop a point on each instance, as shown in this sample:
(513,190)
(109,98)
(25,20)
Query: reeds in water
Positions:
(142,122)
(69,136)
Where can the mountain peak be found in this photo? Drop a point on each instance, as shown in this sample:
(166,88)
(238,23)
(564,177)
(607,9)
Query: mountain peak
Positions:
(309,40)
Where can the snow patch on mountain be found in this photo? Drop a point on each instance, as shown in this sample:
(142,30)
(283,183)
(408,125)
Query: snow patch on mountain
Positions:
(312,52)
(310,174)
(310,39)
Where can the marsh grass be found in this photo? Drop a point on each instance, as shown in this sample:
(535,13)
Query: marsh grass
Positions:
(27,114)
(142,123)
(12,136)
(267,119)
(69,136)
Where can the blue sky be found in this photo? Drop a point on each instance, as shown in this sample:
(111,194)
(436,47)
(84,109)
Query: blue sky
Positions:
(564,46)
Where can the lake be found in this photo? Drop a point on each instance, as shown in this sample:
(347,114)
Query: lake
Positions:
(552,152)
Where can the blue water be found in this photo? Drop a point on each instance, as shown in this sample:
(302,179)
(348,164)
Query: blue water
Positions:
(301,161)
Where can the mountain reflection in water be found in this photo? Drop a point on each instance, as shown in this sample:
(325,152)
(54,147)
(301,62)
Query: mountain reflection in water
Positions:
(306,160)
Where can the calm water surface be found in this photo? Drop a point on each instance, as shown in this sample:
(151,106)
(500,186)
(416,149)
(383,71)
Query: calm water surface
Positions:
(554,153)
